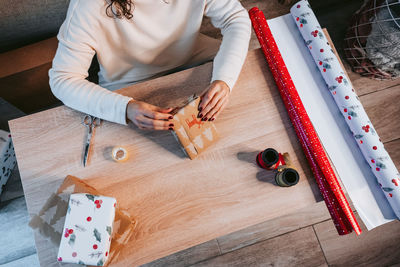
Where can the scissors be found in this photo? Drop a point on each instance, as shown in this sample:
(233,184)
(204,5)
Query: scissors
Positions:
(90,122)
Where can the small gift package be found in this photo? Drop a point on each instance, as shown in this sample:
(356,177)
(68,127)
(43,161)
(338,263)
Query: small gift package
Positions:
(194,135)
(50,220)
(7,158)
(87,230)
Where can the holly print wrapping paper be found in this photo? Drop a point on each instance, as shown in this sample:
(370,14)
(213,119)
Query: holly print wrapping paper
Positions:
(349,105)
(7,158)
(87,232)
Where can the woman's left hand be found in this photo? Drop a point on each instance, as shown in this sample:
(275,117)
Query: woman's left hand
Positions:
(214,100)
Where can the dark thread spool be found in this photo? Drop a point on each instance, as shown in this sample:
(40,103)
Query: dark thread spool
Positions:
(267,158)
(287,177)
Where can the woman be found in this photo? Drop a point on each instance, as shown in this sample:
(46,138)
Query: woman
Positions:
(140,39)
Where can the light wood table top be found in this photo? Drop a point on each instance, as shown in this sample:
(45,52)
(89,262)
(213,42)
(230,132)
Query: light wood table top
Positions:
(177,202)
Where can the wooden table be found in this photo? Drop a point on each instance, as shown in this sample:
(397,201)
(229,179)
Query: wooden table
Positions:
(177,202)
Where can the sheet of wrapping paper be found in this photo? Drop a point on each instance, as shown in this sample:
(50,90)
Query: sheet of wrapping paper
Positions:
(7,158)
(87,230)
(379,178)
(335,200)
(49,222)
(194,135)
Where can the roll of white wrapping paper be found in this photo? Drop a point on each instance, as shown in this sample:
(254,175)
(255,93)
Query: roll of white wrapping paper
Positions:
(382,166)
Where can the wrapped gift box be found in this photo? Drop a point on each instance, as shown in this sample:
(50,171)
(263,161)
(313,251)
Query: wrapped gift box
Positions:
(7,158)
(87,230)
(194,135)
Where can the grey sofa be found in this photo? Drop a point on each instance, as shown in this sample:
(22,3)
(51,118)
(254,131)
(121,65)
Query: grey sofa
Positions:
(28,43)
(26,22)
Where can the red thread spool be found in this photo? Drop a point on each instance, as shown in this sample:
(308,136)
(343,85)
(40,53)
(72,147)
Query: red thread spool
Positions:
(268,158)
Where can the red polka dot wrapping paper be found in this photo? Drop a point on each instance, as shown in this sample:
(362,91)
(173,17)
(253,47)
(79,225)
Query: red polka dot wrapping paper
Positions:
(87,230)
(348,103)
(332,193)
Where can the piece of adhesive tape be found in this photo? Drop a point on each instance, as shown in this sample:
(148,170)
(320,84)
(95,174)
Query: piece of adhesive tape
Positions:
(119,154)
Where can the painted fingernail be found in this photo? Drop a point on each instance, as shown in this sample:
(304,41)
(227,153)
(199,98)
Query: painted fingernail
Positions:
(171,125)
(170,117)
(205,118)
(212,119)
(200,115)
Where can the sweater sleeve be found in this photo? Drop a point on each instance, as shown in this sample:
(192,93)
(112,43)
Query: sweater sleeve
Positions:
(76,48)
(235,25)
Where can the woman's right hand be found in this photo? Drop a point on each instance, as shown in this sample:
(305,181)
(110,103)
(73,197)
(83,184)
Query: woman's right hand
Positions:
(149,117)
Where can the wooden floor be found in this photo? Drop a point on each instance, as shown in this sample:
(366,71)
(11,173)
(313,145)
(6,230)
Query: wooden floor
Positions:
(307,237)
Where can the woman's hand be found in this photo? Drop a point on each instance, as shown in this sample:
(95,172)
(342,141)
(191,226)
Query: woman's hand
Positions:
(149,117)
(214,100)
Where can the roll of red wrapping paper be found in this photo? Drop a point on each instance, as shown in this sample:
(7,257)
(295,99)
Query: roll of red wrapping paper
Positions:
(328,184)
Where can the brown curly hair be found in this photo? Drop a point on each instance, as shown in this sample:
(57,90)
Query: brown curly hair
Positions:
(120,8)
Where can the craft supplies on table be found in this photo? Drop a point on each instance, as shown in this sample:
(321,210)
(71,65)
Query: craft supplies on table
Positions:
(285,174)
(334,110)
(180,201)
(7,158)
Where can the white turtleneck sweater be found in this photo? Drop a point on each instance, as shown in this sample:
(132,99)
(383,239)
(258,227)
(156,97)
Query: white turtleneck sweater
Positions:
(161,36)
